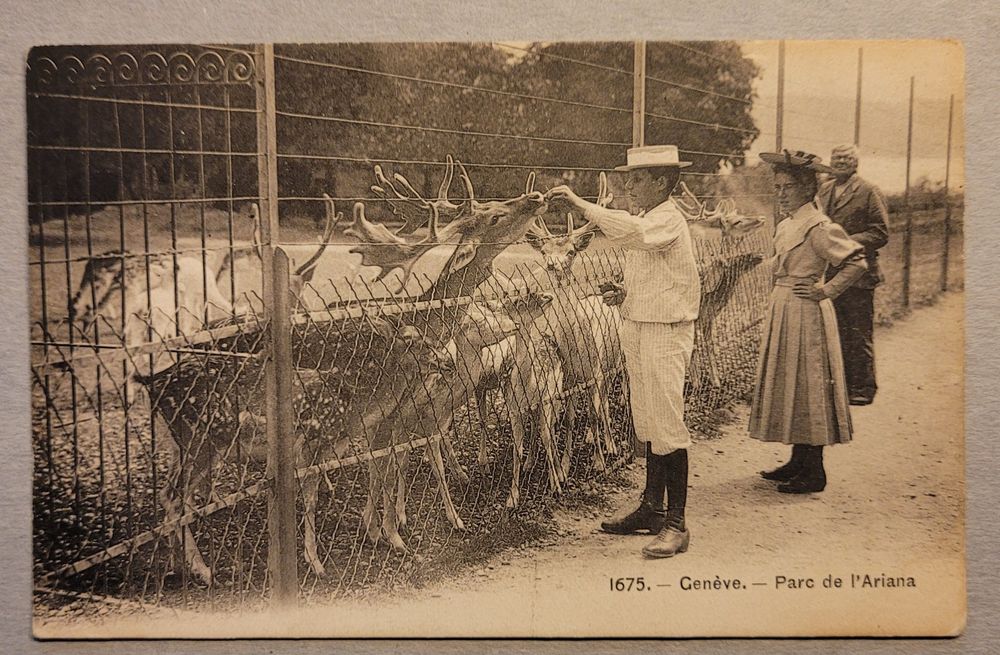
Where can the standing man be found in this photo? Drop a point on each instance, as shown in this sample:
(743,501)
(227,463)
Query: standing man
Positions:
(659,306)
(860,208)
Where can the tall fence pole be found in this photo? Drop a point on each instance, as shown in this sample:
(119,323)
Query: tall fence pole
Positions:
(908,229)
(780,118)
(947,200)
(281,558)
(639,95)
(857,100)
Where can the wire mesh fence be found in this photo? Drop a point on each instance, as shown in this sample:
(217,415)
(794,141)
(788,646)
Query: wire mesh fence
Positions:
(424,413)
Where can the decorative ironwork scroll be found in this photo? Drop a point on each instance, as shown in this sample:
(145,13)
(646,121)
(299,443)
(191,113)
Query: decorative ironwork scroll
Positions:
(198,66)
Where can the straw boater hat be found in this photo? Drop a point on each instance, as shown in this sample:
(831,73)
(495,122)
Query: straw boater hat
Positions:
(797,159)
(652,157)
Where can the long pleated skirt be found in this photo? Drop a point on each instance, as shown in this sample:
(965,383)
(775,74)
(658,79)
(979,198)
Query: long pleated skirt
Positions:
(801,393)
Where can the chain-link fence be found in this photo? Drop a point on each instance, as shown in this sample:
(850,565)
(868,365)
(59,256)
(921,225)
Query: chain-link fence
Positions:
(218,420)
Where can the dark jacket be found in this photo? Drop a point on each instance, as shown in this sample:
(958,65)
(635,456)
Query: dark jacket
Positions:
(862,211)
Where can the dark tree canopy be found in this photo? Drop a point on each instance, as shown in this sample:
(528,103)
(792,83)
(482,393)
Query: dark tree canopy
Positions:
(489,106)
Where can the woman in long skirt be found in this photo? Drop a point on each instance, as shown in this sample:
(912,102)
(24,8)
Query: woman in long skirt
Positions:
(801,394)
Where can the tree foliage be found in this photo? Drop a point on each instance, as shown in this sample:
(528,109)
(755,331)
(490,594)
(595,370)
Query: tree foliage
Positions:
(561,109)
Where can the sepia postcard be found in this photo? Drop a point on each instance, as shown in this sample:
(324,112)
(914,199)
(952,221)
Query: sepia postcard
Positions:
(497,339)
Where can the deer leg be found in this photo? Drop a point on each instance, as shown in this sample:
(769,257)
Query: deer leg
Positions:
(310,492)
(546,415)
(517,434)
(169,495)
(192,554)
(482,458)
(531,451)
(178,497)
(372,531)
(391,493)
(567,455)
(604,416)
(597,460)
(449,451)
(400,499)
(437,464)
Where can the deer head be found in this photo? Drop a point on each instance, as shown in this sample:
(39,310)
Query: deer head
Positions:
(724,216)
(559,251)
(477,230)
(253,258)
(304,272)
(108,274)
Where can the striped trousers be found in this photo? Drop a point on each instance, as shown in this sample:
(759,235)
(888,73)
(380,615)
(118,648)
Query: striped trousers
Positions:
(656,358)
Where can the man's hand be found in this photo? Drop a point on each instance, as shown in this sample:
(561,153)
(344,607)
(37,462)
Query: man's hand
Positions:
(809,291)
(563,194)
(612,293)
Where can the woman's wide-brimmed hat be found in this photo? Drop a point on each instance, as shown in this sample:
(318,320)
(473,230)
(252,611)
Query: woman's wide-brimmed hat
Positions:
(652,157)
(797,159)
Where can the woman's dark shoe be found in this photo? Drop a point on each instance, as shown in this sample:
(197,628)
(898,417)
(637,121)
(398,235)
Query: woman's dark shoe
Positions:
(644,517)
(786,471)
(783,473)
(803,484)
(812,477)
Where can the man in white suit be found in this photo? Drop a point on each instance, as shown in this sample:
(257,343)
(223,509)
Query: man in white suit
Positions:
(659,304)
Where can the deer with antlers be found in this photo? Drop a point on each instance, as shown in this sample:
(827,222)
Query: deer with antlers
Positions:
(476,232)
(722,220)
(248,262)
(208,409)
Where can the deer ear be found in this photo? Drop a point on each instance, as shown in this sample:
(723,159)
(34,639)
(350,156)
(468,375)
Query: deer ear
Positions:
(582,241)
(464,254)
(534,240)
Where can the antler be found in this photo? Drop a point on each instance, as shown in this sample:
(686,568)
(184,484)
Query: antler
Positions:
(692,208)
(604,199)
(257,241)
(604,196)
(333,218)
(409,206)
(386,250)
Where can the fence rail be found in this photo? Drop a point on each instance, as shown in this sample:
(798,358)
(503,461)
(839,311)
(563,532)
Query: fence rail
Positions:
(217,421)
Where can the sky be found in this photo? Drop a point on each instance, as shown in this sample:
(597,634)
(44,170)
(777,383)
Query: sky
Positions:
(820,93)
(820,97)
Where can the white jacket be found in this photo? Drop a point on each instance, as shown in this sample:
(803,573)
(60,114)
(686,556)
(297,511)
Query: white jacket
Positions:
(661,276)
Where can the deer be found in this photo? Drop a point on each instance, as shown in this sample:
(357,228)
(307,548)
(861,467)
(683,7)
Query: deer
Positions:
(476,232)
(719,280)
(250,260)
(180,297)
(559,251)
(225,424)
(584,333)
(721,221)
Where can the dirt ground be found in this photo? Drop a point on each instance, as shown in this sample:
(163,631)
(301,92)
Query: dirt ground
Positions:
(893,507)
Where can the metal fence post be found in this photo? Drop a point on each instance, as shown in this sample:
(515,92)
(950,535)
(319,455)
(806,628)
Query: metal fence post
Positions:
(639,95)
(947,200)
(278,376)
(857,100)
(779,119)
(282,558)
(908,229)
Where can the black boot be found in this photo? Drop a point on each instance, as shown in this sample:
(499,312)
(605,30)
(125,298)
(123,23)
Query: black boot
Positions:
(674,538)
(812,477)
(790,469)
(649,515)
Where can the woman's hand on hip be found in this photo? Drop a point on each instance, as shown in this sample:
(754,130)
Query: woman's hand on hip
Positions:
(809,291)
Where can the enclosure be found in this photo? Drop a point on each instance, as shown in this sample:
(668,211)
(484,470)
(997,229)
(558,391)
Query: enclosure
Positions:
(243,378)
